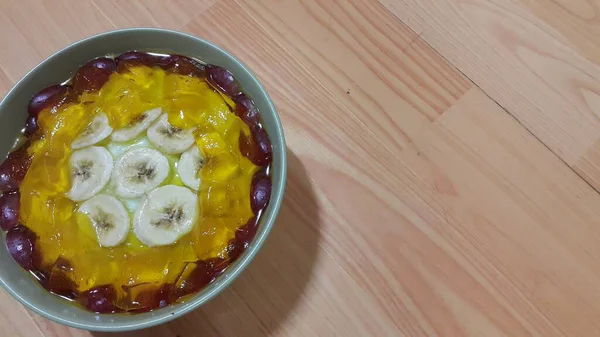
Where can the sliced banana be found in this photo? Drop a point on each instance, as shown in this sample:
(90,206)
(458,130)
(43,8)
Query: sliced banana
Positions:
(90,171)
(168,213)
(109,218)
(189,165)
(138,171)
(137,127)
(169,139)
(94,133)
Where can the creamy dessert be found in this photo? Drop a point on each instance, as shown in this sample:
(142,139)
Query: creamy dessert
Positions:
(136,182)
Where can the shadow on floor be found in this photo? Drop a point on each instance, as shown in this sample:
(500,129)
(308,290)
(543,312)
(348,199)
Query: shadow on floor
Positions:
(265,295)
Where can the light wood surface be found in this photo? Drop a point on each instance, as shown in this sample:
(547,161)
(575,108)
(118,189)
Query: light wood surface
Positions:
(444,161)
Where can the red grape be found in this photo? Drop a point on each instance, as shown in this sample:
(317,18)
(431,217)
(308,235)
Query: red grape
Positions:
(264,143)
(260,193)
(47,97)
(31,126)
(20,242)
(182,65)
(257,147)
(134,58)
(9,210)
(243,236)
(245,109)
(92,75)
(13,169)
(162,61)
(203,273)
(100,299)
(223,79)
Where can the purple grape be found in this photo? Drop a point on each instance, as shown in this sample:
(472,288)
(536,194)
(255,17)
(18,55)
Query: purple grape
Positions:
(246,110)
(134,58)
(243,236)
(20,242)
(182,65)
(47,97)
(204,272)
(31,126)
(257,147)
(260,193)
(100,299)
(223,80)
(264,143)
(9,210)
(13,169)
(92,75)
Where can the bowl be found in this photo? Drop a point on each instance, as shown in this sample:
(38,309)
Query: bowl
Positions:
(62,65)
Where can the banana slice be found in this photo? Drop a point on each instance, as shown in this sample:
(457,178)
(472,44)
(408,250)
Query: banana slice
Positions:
(189,165)
(109,218)
(95,132)
(169,139)
(137,127)
(168,213)
(90,171)
(138,171)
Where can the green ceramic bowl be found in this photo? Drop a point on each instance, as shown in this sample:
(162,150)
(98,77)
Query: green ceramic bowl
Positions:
(60,66)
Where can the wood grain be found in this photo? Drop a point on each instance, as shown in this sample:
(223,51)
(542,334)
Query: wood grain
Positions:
(444,162)
(540,76)
(151,13)
(576,22)
(372,64)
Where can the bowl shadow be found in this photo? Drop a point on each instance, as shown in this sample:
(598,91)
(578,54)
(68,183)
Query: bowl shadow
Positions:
(264,296)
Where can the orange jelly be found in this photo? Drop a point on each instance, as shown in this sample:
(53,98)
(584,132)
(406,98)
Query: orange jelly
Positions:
(133,277)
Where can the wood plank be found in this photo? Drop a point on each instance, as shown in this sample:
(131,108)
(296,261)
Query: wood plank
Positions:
(369,61)
(526,224)
(151,13)
(576,22)
(19,55)
(55,21)
(523,63)
(14,319)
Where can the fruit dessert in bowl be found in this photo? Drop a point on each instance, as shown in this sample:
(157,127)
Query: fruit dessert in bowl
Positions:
(141,184)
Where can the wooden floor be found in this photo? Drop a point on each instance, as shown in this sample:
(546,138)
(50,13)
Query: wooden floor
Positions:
(444,169)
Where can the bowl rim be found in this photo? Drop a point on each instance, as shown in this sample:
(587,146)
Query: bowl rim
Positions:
(240,264)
